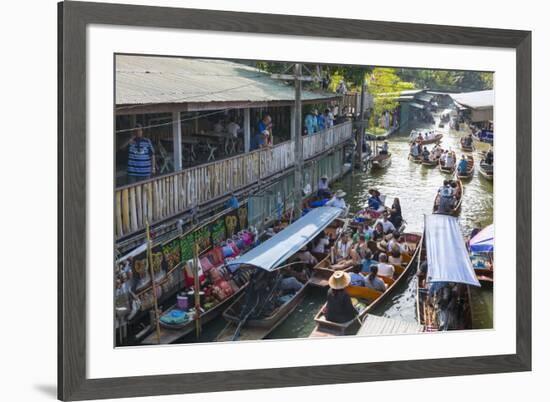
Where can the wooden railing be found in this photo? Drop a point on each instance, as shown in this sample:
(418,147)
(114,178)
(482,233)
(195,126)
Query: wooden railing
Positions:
(162,197)
(166,196)
(318,143)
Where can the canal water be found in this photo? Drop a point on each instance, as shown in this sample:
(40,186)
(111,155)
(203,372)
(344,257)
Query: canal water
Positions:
(416,186)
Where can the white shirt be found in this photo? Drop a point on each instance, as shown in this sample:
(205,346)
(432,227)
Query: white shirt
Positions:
(449,161)
(387,225)
(343,248)
(233,129)
(385,269)
(321,244)
(336,202)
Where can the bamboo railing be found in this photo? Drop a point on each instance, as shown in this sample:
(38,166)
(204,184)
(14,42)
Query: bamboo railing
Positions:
(165,196)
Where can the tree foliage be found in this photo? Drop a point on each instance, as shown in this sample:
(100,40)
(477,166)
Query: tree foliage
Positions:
(448,80)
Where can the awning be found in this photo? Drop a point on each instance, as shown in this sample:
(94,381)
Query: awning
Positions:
(484,241)
(276,250)
(416,105)
(448,259)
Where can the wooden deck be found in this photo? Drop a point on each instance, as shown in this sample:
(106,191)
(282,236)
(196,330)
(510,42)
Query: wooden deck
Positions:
(374,325)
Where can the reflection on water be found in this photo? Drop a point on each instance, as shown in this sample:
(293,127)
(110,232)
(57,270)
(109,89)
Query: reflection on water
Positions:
(416,186)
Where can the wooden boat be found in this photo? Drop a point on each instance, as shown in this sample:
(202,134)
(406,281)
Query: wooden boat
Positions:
(381,161)
(436,139)
(257,312)
(486,171)
(459,276)
(430,163)
(323,271)
(466,148)
(367,297)
(257,328)
(445,169)
(470,171)
(417,159)
(459,195)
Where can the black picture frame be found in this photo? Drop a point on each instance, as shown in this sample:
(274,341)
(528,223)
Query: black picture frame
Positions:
(73,17)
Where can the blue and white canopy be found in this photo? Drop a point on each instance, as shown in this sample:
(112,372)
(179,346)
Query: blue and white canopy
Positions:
(276,250)
(484,241)
(448,259)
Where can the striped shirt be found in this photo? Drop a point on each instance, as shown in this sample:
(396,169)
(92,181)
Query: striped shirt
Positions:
(140,152)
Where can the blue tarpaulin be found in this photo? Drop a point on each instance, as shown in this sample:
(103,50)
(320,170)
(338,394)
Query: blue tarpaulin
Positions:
(276,250)
(448,259)
(484,241)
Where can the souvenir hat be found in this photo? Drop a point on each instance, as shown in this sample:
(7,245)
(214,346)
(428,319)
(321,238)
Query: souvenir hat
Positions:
(339,280)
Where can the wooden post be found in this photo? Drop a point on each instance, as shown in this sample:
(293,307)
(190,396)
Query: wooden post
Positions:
(154,285)
(197,289)
(246,124)
(176,137)
(298,152)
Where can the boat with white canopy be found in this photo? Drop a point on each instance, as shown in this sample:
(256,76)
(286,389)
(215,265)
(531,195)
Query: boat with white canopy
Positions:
(265,305)
(445,274)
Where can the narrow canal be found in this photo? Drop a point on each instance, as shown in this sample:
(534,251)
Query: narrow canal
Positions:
(415,185)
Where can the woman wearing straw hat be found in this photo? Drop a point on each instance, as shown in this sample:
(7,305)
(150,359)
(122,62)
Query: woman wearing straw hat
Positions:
(338,200)
(339,307)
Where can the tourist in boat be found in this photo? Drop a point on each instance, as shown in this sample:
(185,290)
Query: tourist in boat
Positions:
(339,307)
(384,150)
(378,232)
(372,280)
(361,246)
(385,269)
(446,202)
(463,166)
(387,225)
(414,151)
(374,202)
(426,154)
(356,279)
(397,241)
(443,157)
(449,160)
(337,200)
(395,255)
(395,213)
(368,261)
(343,247)
(323,190)
(321,242)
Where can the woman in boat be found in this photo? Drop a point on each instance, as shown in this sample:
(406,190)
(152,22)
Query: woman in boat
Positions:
(375,202)
(338,200)
(395,213)
(343,247)
(463,166)
(339,307)
(368,261)
(372,281)
(397,241)
(395,255)
(387,226)
(378,232)
(449,160)
(384,268)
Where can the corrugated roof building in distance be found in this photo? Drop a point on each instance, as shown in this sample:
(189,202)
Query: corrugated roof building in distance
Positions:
(147,84)
(480,104)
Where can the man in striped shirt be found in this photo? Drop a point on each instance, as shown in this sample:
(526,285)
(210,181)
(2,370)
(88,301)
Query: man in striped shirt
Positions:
(141,157)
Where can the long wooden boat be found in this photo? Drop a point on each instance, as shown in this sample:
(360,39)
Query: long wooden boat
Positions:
(367,297)
(461,275)
(381,161)
(436,139)
(459,195)
(257,328)
(323,271)
(485,171)
(470,170)
(466,148)
(246,321)
(170,333)
(417,159)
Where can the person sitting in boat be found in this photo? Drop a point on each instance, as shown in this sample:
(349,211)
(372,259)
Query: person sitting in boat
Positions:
(449,160)
(395,255)
(395,213)
(321,242)
(463,166)
(445,201)
(378,232)
(443,157)
(387,226)
(372,280)
(375,202)
(384,150)
(338,200)
(397,241)
(323,190)
(356,279)
(339,307)
(436,152)
(419,138)
(489,157)
(468,140)
(343,247)
(368,261)
(305,256)
(361,246)
(385,269)
(426,154)
(414,151)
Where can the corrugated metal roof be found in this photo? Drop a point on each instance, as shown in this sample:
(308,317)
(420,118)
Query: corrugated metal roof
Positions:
(156,80)
(475,100)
